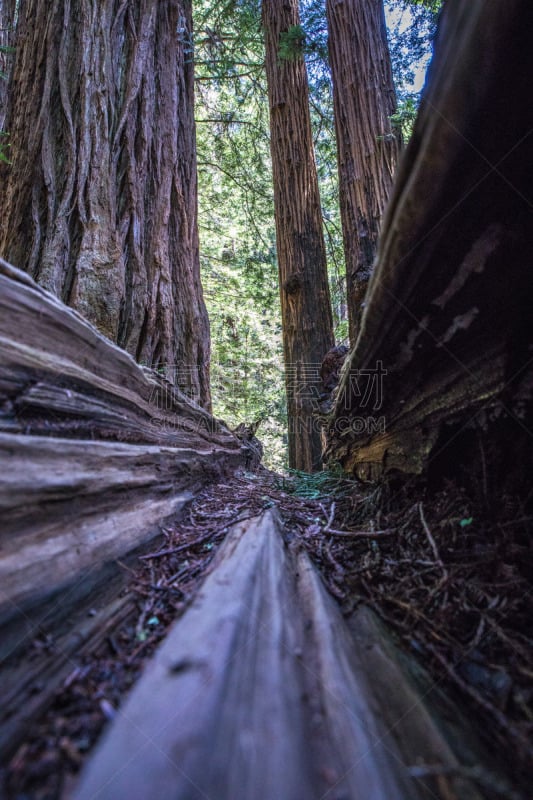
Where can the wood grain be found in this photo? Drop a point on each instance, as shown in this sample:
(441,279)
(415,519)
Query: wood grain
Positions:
(96,453)
(259,692)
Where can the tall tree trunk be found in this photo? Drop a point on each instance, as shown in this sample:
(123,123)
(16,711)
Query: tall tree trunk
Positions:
(305,301)
(364,100)
(99,205)
(8,19)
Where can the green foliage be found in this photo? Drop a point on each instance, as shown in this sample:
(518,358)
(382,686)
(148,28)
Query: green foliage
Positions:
(4,146)
(434,6)
(411,27)
(236,219)
(315,486)
(292,44)
(405,116)
(5,50)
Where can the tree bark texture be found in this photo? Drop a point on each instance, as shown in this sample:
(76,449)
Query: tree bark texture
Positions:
(448,311)
(305,300)
(99,204)
(364,99)
(8,24)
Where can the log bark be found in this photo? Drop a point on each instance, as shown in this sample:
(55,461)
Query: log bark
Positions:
(448,306)
(260,691)
(364,99)
(305,301)
(99,204)
(97,454)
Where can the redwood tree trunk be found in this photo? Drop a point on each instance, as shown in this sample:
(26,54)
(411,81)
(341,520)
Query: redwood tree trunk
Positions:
(8,17)
(364,100)
(99,205)
(305,301)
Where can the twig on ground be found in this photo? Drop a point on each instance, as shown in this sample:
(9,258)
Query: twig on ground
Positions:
(431,540)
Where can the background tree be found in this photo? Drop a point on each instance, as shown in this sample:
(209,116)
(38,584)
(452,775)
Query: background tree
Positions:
(99,204)
(305,301)
(367,145)
(8,24)
(236,212)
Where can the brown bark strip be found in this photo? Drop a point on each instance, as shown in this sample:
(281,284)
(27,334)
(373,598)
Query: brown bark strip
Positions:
(8,27)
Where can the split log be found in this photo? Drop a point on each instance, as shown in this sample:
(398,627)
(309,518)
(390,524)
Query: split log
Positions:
(448,307)
(260,690)
(97,453)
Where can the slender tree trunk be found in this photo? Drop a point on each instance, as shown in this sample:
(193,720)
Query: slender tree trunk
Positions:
(8,20)
(99,205)
(364,100)
(305,301)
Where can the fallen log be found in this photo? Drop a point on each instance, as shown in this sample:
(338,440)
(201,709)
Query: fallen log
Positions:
(30,683)
(445,346)
(97,453)
(260,690)
(60,376)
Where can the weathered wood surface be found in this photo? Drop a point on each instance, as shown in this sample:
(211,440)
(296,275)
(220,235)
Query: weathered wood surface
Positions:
(449,304)
(95,449)
(58,374)
(30,681)
(96,453)
(260,691)
(70,506)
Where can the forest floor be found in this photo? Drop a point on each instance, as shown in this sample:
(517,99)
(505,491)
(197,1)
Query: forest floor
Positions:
(448,575)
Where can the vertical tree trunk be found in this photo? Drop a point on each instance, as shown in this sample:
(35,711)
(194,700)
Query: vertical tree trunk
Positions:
(8,18)
(364,100)
(99,205)
(305,302)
